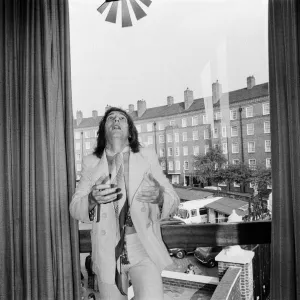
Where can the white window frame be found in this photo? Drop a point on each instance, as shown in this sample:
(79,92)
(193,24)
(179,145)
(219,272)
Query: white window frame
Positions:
(194,120)
(186,165)
(224,131)
(184,136)
(185,150)
(204,119)
(267,128)
(235,147)
(139,128)
(161,126)
(267,147)
(196,150)
(250,148)
(224,148)
(170,151)
(206,133)
(77,146)
(206,148)
(78,156)
(176,137)
(235,161)
(169,138)
(162,152)
(216,133)
(266,108)
(250,131)
(236,185)
(233,131)
(149,127)
(195,135)
(163,164)
(172,122)
(233,114)
(177,164)
(249,111)
(252,166)
(150,140)
(78,167)
(161,139)
(268,162)
(217,115)
(184,122)
(87,145)
(177,151)
(87,134)
(171,165)
(77,135)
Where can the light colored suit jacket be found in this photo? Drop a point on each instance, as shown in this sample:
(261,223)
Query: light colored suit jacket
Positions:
(145,216)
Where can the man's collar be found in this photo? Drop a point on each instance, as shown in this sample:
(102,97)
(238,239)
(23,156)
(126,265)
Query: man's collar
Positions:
(111,153)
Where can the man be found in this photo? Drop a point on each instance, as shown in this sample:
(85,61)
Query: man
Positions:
(125,193)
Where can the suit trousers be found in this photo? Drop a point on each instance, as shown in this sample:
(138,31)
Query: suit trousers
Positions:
(142,272)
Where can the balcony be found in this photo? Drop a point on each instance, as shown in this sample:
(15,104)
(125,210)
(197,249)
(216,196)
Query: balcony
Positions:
(230,281)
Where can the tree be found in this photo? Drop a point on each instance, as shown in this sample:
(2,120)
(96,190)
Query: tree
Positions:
(206,165)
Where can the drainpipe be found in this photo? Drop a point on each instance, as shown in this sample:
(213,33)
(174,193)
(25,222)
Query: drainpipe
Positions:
(154,124)
(242,144)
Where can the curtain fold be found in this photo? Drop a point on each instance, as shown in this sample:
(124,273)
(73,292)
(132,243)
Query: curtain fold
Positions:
(39,255)
(284,60)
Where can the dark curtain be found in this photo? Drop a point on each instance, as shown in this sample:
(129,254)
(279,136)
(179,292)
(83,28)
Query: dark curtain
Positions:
(39,256)
(284,59)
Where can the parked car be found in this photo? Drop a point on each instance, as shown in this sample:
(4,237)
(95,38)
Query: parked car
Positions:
(206,255)
(178,252)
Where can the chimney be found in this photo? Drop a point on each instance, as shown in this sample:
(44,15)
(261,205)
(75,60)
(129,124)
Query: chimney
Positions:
(188,98)
(141,107)
(95,114)
(250,82)
(131,108)
(170,100)
(107,107)
(216,91)
(79,117)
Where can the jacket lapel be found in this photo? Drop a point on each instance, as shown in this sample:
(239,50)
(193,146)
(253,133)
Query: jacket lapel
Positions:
(137,167)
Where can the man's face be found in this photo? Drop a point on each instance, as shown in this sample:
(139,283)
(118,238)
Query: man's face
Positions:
(116,125)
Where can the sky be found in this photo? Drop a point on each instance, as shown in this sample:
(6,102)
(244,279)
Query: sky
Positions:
(180,44)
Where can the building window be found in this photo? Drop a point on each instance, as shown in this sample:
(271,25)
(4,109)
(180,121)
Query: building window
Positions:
(249,111)
(206,134)
(149,127)
(215,133)
(268,163)
(177,151)
(224,131)
(269,186)
(161,139)
(176,136)
(170,151)
(163,165)
(77,146)
(194,120)
(186,165)
(78,167)
(77,135)
(235,147)
(171,165)
(267,146)
(251,185)
(250,129)
(196,150)
(150,140)
(172,122)
(177,164)
(204,119)
(183,122)
(224,148)
(184,136)
(195,135)
(185,151)
(234,130)
(139,128)
(87,134)
(267,127)
(233,114)
(169,138)
(78,156)
(266,108)
(162,152)
(95,133)
(161,126)
(217,115)
(252,164)
(235,161)
(223,183)
(251,147)
(87,145)
(206,148)
(235,184)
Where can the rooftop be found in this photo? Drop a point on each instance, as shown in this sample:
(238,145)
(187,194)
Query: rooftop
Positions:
(189,194)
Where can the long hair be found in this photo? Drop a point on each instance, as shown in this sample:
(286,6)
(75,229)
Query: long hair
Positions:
(134,143)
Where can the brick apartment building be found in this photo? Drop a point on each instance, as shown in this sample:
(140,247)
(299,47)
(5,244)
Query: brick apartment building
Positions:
(238,121)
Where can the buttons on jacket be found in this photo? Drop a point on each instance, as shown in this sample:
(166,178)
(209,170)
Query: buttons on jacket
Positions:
(103,232)
(104,215)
